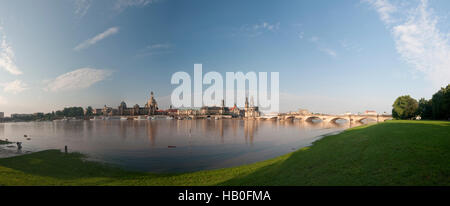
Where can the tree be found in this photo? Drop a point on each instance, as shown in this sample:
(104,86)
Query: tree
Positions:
(59,113)
(425,109)
(89,111)
(73,112)
(404,107)
(441,103)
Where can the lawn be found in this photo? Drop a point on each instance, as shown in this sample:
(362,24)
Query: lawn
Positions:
(4,142)
(389,153)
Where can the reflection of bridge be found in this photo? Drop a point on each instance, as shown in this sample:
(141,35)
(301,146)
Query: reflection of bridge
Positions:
(330,118)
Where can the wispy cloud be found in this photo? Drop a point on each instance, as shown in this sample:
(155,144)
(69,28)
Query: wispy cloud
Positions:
(351,46)
(82,7)
(159,46)
(14,87)
(418,39)
(266,26)
(121,5)
(3,101)
(7,59)
(156,49)
(323,48)
(384,8)
(97,38)
(314,39)
(77,79)
(258,29)
(328,51)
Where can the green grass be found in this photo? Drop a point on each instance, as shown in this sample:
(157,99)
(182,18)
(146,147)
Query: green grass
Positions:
(390,153)
(4,142)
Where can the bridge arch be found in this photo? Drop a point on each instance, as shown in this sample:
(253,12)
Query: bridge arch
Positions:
(334,119)
(311,118)
(367,118)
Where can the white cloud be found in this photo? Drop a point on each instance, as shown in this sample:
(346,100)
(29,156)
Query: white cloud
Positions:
(419,41)
(322,47)
(3,101)
(258,29)
(7,59)
(328,51)
(14,87)
(384,8)
(77,79)
(120,5)
(159,46)
(155,49)
(97,38)
(82,7)
(351,46)
(266,26)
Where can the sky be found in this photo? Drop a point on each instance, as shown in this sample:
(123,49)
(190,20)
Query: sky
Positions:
(332,56)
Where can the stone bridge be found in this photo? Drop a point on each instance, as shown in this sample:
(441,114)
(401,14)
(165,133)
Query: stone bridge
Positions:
(333,118)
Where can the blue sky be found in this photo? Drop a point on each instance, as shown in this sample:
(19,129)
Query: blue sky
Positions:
(333,56)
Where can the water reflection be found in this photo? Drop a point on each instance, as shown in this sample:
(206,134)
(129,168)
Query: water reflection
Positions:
(171,145)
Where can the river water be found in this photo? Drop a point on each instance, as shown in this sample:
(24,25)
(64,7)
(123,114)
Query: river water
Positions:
(168,145)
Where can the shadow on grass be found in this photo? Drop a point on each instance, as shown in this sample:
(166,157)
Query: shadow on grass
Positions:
(392,153)
(55,164)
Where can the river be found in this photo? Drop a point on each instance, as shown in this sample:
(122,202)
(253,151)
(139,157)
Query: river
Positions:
(168,145)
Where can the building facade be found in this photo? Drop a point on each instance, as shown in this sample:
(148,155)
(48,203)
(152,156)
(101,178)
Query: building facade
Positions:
(251,111)
(150,108)
(370,112)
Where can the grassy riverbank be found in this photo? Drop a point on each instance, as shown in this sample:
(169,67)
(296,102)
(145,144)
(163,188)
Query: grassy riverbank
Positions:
(4,142)
(390,153)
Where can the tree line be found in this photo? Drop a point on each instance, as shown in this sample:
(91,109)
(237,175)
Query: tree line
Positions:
(77,112)
(436,108)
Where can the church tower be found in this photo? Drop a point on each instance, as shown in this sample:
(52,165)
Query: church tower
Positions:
(246,102)
(152,105)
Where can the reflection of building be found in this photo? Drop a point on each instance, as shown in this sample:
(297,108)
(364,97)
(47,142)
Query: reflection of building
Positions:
(250,128)
(250,111)
(370,112)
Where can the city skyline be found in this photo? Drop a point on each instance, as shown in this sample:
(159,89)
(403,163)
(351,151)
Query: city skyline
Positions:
(333,57)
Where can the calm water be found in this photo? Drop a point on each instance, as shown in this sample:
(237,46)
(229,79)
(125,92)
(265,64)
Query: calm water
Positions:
(169,145)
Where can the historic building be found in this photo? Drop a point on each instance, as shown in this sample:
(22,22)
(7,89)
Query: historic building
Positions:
(214,110)
(370,112)
(151,105)
(150,108)
(236,112)
(222,110)
(250,111)
(303,112)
